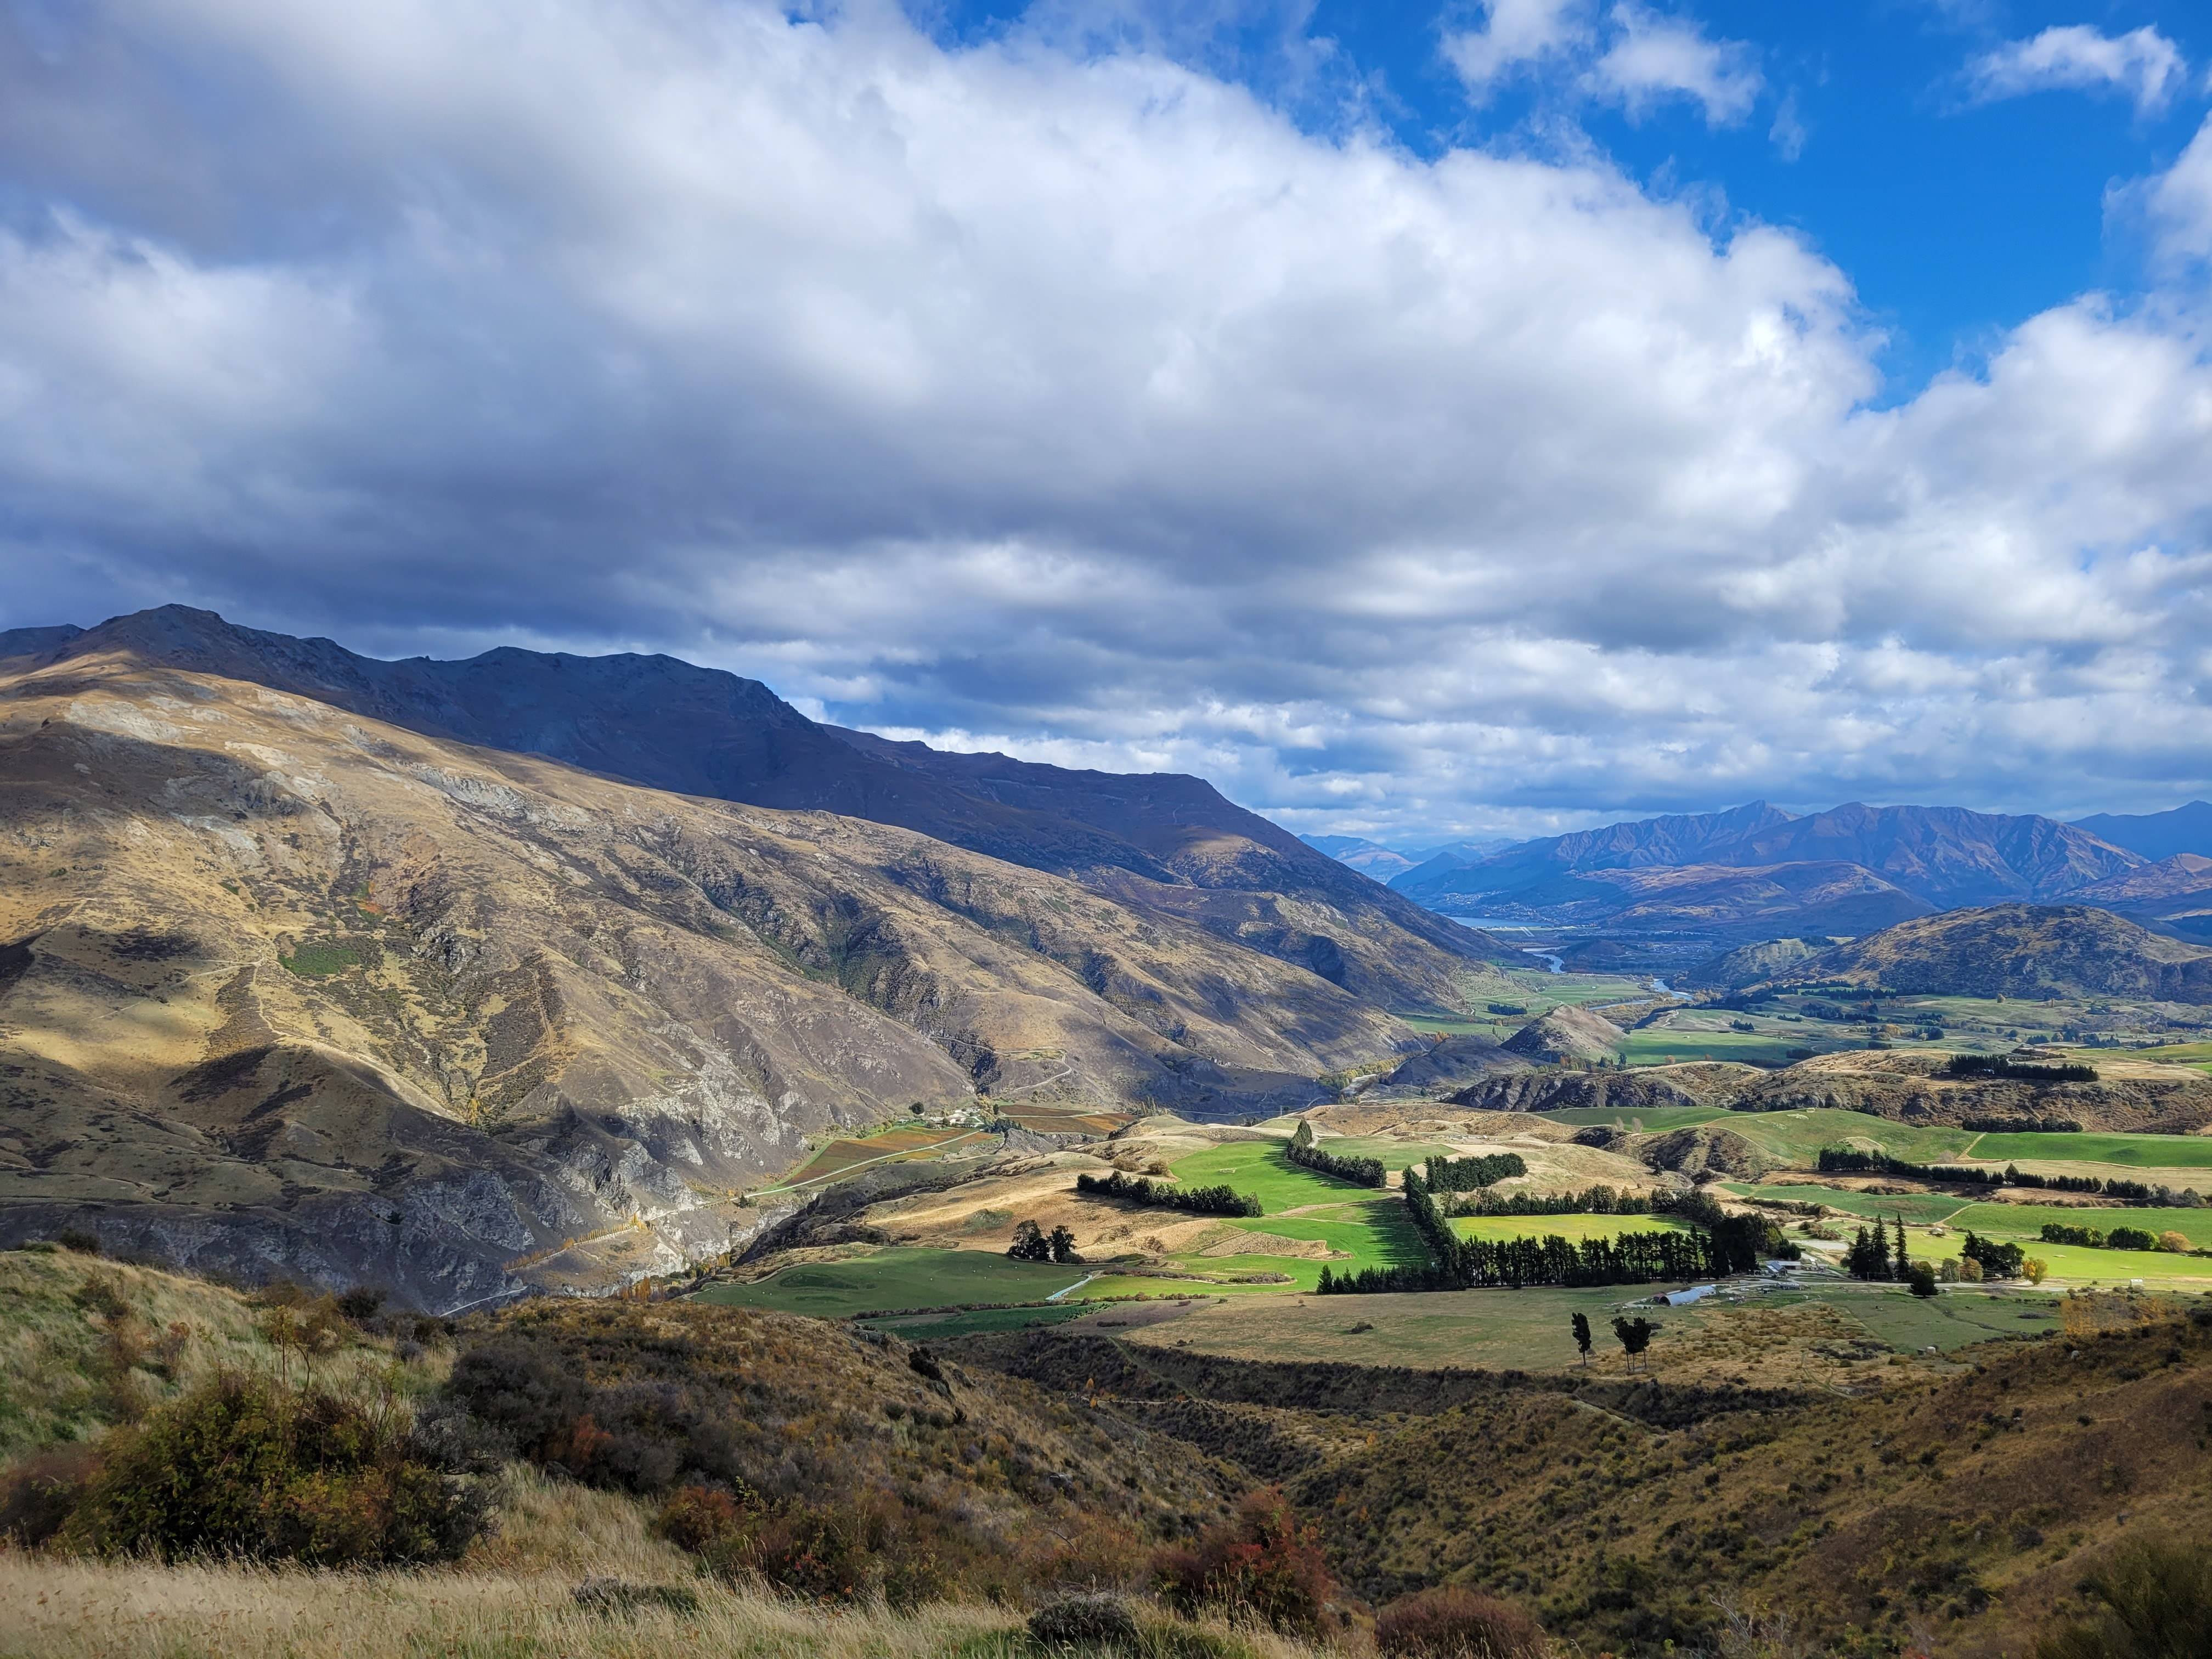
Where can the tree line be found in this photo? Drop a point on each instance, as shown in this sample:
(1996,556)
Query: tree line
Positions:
(2026,1071)
(1167,1195)
(2120,1238)
(1461,1175)
(1840,1160)
(1360,1171)
(1727,1245)
(1591,1201)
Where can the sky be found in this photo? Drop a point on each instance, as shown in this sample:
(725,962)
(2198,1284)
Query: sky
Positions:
(1422,423)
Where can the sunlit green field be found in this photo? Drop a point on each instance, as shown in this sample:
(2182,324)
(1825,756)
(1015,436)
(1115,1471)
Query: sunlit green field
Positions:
(1797,1137)
(2024,1221)
(2130,1151)
(1259,1168)
(1575,1227)
(1658,1045)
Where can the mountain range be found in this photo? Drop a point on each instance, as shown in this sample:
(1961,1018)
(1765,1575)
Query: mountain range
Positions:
(1758,871)
(430,973)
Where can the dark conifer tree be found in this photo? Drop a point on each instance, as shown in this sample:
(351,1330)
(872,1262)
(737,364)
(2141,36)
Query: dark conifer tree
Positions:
(1904,1273)
(1583,1335)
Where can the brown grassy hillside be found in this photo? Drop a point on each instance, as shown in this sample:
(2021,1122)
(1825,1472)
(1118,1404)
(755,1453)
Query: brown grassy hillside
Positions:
(2019,949)
(280,985)
(1953,1513)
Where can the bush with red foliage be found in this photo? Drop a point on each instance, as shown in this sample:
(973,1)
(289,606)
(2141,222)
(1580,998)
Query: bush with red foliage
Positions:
(1449,1622)
(1261,1561)
(698,1517)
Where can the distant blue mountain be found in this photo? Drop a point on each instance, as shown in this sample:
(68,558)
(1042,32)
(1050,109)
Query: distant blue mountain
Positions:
(2155,834)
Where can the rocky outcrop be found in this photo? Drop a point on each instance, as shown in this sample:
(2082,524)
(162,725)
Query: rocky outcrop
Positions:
(1562,1090)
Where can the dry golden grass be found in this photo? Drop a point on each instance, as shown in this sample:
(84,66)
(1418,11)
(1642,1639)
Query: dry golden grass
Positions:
(80,1610)
(66,1609)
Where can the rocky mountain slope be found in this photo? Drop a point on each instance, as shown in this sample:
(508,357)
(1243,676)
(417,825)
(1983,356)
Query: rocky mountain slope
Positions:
(2019,950)
(285,987)
(1165,844)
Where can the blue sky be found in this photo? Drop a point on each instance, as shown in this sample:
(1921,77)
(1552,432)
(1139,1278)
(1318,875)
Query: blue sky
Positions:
(1422,423)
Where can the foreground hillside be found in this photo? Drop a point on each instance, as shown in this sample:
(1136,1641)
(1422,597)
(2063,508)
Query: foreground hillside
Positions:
(1955,1508)
(884,1499)
(285,989)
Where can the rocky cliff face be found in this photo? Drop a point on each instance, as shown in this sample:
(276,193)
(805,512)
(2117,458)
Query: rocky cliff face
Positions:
(284,988)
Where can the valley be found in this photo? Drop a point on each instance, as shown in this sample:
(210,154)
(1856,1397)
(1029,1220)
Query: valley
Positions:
(705,1094)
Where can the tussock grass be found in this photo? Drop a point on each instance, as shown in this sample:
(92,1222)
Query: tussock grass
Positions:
(60,1609)
(86,1342)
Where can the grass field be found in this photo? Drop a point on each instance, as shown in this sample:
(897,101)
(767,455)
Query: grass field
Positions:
(1918,1209)
(896,1279)
(2024,1221)
(1797,1137)
(1658,1120)
(1259,1168)
(1395,1154)
(1663,1046)
(2129,1152)
(1575,1227)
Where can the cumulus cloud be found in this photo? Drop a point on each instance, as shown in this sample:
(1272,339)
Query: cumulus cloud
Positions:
(1071,402)
(1515,34)
(1653,57)
(2143,63)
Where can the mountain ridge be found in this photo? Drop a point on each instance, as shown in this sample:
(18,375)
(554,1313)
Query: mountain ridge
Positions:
(1168,842)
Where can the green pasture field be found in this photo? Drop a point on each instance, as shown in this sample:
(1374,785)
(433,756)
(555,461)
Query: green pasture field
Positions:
(1575,1227)
(1215,1278)
(1918,1209)
(1658,1045)
(1260,1169)
(1376,1234)
(2129,1152)
(894,1278)
(1798,1137)
(2023,1222)
(1494,1025)
(1658,1120)
(2074,1265)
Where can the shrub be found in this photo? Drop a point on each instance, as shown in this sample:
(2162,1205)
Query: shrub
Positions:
(695,1518)
(2174,1244)
(2157,1598)
(817,1553)
(1261,1561)
(1449,1622)
(1922,1279)
(40,1492)
(239,1467)
(1085,1621)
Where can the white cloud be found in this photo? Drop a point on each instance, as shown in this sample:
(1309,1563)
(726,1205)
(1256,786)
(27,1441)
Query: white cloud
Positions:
(2143,63)
(2180,204)
(1515,34)
(1653,57)
(1080,401)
